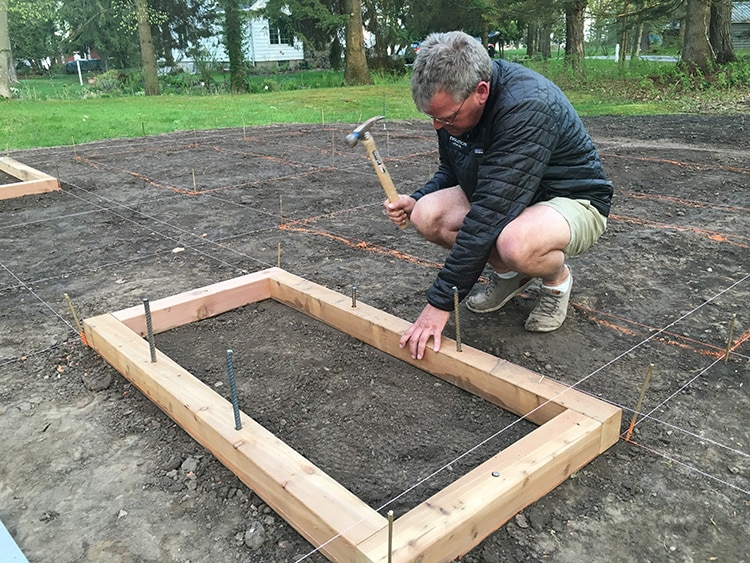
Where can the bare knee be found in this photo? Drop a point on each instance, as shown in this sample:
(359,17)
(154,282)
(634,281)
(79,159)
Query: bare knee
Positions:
(514,251)
(428,221)
(438,216)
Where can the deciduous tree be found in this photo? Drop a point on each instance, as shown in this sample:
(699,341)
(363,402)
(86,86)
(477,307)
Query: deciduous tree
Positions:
(696,52)
(233,43)
(33,29)
(6,58)
(148,57)
(575,15)
(356,70)
(321,23)
(720,31)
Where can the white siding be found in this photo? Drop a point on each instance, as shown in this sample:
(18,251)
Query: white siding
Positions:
(257,45)
(263,51)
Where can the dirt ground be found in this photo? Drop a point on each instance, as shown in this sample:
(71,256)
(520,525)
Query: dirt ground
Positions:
(91,470)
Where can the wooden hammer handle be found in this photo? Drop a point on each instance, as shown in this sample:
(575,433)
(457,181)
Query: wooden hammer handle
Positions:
(382,172)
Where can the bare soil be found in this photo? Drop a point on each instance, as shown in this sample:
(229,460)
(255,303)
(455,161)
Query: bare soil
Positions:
(91,470)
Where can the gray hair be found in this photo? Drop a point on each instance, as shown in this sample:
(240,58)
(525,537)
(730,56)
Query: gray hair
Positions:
(452,62)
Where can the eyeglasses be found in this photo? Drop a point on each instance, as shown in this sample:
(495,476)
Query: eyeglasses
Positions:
(451,119)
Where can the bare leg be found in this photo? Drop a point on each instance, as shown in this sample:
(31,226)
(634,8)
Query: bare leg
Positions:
(533,244)
(438,216)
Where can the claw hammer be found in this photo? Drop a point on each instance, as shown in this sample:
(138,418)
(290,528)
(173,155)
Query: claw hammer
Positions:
(362,133)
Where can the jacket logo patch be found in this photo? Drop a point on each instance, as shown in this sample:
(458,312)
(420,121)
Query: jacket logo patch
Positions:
(458,143)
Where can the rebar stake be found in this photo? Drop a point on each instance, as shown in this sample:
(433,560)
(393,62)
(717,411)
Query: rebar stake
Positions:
(640,402)
(354,296)
(729,340)
(75,318)
(233,391)
(390,536)
(149,330)
(278,255)
(458,324)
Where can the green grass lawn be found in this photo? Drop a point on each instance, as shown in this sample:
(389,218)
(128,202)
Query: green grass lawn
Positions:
(26,124)
(57,111)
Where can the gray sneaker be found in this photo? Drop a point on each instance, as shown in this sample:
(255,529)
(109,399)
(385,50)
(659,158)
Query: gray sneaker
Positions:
(497,293)
(550,310)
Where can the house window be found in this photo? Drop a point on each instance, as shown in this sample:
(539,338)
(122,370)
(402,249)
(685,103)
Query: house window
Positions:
(279,37)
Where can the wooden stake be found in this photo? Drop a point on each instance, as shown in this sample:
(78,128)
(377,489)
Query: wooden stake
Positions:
(323,116)
(195,187)
(75,152)
(640,402)
(281,210)
(278,257)
(75,318)
(729,339)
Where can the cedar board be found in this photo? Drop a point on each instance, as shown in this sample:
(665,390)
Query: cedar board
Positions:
(573,429)
(32,181)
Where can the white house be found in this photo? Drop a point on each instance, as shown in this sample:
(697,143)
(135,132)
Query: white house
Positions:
(264,45)
(741,25)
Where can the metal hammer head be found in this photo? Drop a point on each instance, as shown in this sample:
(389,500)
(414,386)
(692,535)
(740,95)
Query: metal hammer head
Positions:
(360,131)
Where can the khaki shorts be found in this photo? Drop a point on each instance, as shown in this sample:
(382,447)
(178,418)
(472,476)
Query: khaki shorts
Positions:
(586,223)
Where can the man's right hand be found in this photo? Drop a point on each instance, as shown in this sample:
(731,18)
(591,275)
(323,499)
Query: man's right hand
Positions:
(398,212)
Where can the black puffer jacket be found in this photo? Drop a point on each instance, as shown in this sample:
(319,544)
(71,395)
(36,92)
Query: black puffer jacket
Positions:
(529,146)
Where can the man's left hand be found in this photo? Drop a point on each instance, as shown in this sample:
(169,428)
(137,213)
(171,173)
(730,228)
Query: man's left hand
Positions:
(430,323)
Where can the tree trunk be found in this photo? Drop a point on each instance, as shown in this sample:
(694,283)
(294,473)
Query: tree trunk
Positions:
(720,31)
(645,44)
(635,52)
(622,34)
(167,44)
(696,53)
(356,71)
(233,36)
(531,46)
(575,13)
(148,58)
(545,32)
(6,58)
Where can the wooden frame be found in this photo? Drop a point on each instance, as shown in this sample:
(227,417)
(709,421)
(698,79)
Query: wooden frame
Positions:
(574,427)
(32,181)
